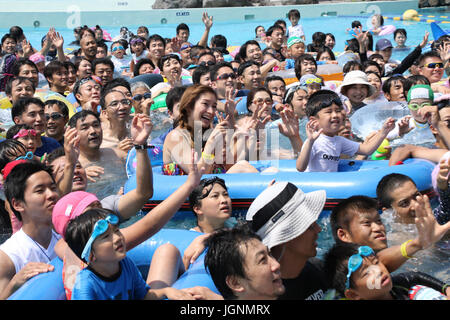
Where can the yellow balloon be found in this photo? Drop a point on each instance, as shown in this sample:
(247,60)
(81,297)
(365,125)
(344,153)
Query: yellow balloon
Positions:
(410,14)
(49,95)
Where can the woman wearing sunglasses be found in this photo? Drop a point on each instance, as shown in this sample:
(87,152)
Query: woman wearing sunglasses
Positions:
(142,97)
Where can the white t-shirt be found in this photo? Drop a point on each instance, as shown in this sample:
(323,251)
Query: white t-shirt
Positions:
(143,55)
(121,64)
(296,31)
(326,152)
(21,249)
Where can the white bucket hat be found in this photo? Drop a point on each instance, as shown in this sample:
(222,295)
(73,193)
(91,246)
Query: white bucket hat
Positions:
(357,77)
(283,212)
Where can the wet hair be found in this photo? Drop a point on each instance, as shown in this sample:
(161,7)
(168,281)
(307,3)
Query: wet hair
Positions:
(351,66)
(15,129)
(256,29)
(273,78)
(15,70)
(356,24)
(140,63)
(413,80)
(155,37)
(194,53)
(85,29)
(243,48)
(380,18)
(117,82)
(174,95)
(105,61)
(388,83)
(401,31)
(81,115)
(215,68)
(336,265)
(369,63)
(325,50)
(219,41)
(16,181)
(55,154)
(78,62)
(375,56)
(207,53)
(167,57)
(320,100)
(8,36)
(19,80)
(21,105)
(245,65)
(224,257)
(197,195)
(182,26)
(280,22)
(294,13)
(352,45)
(342,215)
(273,28)
(199,72)
(298,63)
(428,54)
(9,148)
(16,32)
(53,67)
(80,229)
(61,105)
(387,184)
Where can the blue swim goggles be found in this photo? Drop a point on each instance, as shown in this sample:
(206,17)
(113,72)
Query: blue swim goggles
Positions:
(356,260)
(27,156)
(100,228)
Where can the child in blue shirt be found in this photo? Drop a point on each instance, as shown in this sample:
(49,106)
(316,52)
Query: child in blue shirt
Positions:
(95,238)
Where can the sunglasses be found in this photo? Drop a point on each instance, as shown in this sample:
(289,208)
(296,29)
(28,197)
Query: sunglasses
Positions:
(54,116)
(100,228)
(135,41)
(183,47)
(117,48)
(139,97)
(226,76)
(434,65)
(24,133)
(416,106)
(356,260)
(206,63)
(260,102)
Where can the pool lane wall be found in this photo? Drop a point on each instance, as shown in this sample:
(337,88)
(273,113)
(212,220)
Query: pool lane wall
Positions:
(69,14)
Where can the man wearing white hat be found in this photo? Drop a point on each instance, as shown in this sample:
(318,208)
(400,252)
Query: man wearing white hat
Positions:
(285,218)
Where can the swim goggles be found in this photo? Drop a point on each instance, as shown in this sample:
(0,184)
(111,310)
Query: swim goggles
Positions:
(117,48)
(24,133)
(54,116)
(416,106)
(434,65)
(185,46)
(100,228)
(356,260)
(27,156)
(139,97)
(312,80)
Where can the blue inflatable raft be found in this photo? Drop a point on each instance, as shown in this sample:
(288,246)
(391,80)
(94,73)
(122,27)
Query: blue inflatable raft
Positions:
(353,178)
(49,286)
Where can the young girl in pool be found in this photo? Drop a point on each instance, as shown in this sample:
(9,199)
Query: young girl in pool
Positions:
(138,49)
(26,135)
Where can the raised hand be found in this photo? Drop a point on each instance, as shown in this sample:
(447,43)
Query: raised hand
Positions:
(403,126)
(141,128)
(195,173)
(72,145)
(388,125)
(430,231)
(207,20)
(312,129)
(57,40)
(289,126)
(442,176)
(425,40)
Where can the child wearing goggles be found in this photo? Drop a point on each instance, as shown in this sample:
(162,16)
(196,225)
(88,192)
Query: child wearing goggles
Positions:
(419,96)
(119,57)
(24,134)
(95,238)
(357,273)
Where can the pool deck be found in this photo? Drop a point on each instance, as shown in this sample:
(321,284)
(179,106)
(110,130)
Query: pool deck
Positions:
(67,14)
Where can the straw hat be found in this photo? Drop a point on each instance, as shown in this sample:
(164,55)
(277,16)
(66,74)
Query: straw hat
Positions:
(283,212)
(357,77)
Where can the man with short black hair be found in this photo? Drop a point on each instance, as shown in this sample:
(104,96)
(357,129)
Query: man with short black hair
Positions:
(104,69)
(57,74)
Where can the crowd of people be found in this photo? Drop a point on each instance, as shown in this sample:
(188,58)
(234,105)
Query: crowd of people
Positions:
(100,102)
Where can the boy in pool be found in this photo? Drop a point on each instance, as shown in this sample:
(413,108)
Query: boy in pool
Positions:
(419,96)
(323,148)
(95,238)
(400,38)
(357,220)
(357,273)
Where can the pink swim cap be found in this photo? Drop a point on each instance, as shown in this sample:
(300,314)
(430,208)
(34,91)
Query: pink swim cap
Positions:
(69,207)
